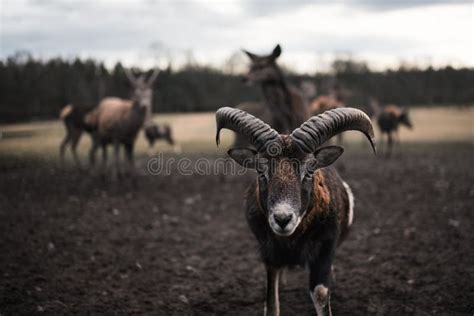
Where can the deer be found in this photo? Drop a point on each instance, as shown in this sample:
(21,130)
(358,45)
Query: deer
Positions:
(324,103)
(119,120)
(154,132)
(389,118)
(283,107)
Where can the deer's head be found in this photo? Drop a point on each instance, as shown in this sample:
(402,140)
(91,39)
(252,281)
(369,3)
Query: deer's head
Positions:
(142,87)
(405,118)
(263,68)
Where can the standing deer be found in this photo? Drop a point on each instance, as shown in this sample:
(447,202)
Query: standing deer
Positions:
(154,132)
(119,120)
(389,118)
(283,107)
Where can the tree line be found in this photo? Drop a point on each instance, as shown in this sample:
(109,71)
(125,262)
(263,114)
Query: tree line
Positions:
(38,89)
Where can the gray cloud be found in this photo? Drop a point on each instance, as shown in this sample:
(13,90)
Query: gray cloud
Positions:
(117,30)
(270,7)
(79,25)
(381,5)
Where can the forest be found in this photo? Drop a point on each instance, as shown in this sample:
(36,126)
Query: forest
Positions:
(32,89)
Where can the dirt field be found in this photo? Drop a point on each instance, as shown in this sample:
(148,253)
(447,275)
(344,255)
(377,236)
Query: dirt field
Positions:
(175,244)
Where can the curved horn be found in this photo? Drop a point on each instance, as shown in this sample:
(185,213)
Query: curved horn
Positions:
(318,129)
(260,134)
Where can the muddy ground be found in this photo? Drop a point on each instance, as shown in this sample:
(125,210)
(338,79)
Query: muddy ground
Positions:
(179,245)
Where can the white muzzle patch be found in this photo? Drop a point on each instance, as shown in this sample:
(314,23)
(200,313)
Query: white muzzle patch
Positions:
(284,210)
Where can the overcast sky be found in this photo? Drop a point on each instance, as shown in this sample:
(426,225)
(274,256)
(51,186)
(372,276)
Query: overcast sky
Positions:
(310,32)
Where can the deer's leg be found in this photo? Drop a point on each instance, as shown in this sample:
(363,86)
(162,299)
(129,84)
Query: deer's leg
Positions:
(117,157)
(389,144)
(151,142)
(62,147)
(397,141)
(272,303)
(320,278)
(129,155)
(151,146)
(104,156)
(75,141)
(397,137)
(67,139)
(92,152)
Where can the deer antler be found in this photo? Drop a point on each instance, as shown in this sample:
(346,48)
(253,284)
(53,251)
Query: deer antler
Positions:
(153,76)
(130,76)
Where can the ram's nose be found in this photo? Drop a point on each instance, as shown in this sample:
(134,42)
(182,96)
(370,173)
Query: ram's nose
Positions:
(283,219)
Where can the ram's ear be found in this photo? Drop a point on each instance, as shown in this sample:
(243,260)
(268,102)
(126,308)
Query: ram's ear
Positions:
(326,156)
(245,157)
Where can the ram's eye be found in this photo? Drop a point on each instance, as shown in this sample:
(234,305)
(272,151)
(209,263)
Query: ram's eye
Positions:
(307,176)
(262,165)
(262,180)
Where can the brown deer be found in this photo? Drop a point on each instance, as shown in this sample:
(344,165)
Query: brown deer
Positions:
(389,118)
(119,120)
(283,107)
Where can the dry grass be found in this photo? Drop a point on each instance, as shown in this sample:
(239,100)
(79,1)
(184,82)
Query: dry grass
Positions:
(196,132)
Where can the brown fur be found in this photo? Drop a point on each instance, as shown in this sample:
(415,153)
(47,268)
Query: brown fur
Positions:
(92,118)
(116,120)
(324,103)
(393,110)
(322,198)
(320,189)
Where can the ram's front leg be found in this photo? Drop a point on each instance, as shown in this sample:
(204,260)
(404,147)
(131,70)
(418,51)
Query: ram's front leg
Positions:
(272,303)
(320,278)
